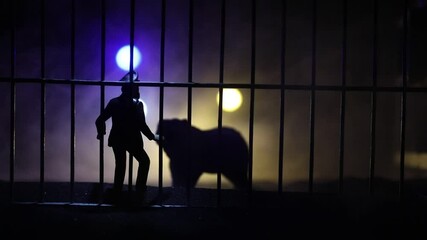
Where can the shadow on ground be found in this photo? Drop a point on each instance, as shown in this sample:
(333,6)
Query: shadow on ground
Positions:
(209,214)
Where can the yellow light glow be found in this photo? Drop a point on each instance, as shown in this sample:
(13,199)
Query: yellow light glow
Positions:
(232,99)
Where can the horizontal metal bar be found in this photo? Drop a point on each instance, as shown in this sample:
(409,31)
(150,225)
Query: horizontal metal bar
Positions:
(94,204)
(222,85)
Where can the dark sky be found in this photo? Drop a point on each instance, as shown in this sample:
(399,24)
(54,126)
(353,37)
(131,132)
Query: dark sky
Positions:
(237,69)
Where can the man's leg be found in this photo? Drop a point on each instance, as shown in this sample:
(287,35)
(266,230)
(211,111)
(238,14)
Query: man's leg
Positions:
(143,168)
(120,169)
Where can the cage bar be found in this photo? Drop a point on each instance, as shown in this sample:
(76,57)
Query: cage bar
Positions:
(343,96)
(221,94)
(403,99)
(312,98)
(73,101)
(190,94)
(102,99)
(42,101)
(161,94)
(252,99)
(373,99)
(12,149)
(282,98)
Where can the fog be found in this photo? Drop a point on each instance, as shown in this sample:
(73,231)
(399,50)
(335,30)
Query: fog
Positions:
(298,70)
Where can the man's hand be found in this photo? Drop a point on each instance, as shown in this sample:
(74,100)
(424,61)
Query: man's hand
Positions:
(99,136)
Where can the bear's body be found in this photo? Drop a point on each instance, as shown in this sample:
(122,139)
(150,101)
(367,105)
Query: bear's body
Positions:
(193,151)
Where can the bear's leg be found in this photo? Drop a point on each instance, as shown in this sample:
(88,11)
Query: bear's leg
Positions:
(195,175)
(237,178)
(179,172)
(178,179)
(186,180)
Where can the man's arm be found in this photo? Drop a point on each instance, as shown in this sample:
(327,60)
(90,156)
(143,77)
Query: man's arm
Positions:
(143,127)
(100,121)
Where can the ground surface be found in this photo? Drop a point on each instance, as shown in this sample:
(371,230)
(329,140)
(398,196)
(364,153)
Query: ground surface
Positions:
(173,216)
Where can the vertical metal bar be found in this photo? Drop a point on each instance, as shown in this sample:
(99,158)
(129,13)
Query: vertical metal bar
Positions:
(190,96)
(343,96)
(42,100)
(130,176)
(73,100)
(161,97)
(132,44)
(72,141)
(373,99)
(12,150)
(312,98)
(132,36)
(252,100)
(403,100)
(282,98)
(221,97)
(12,137)
(102,100)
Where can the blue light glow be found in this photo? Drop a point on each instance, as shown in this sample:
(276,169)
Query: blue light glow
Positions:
(123,57)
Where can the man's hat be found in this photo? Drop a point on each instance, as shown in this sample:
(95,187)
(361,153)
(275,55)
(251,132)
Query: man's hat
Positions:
(127,77)
(128,87)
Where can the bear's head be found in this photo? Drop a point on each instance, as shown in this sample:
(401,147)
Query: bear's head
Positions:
(175,133)
(173,130)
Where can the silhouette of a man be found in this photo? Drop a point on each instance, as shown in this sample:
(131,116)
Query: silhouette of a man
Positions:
(128,121)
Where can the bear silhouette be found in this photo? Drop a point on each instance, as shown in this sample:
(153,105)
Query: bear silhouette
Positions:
(192,152)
